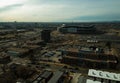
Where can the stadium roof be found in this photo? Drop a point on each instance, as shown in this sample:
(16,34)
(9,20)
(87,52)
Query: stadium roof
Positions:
(104,74)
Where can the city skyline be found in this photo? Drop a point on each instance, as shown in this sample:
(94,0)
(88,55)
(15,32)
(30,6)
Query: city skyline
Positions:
(59,11)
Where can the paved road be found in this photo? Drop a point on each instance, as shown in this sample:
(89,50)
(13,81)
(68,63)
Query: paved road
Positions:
(75,78)
(82,79)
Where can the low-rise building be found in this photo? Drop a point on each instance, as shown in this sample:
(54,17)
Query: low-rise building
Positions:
(56,77)
(43,77)
(17,52)
(4,58)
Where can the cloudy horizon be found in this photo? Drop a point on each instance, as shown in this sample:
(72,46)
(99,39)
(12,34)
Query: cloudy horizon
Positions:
(59,11)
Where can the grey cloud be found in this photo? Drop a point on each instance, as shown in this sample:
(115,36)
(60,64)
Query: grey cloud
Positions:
(105,17)
(52,2)
(10,7)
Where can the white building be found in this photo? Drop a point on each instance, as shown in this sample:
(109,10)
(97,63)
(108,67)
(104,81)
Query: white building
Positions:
(98,76)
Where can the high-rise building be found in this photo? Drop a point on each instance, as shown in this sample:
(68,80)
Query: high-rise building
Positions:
(45,35)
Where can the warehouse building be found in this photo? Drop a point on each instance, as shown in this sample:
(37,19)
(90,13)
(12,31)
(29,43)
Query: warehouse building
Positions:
(90,60)
(17,52)
(43,77)
(57,77)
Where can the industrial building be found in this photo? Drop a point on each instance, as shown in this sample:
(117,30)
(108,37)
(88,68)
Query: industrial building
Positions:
(43,77)
(56,77)
(46,75)
(32,48)
(4,58)
(90,60)
(34,42)
(17,52)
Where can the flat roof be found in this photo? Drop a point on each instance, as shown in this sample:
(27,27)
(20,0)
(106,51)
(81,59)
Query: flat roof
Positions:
(32,46)
(56,77)
(86,49)
(104,74)
(2,54)
(91,81)
(73,50)
(92,60)
(20,50)
(46,74)
(33,42)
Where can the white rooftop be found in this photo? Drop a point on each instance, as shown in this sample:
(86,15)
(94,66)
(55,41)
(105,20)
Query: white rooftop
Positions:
(104,75)
(91,81)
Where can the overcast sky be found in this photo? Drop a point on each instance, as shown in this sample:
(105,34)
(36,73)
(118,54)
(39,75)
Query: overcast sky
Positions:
(59,10)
